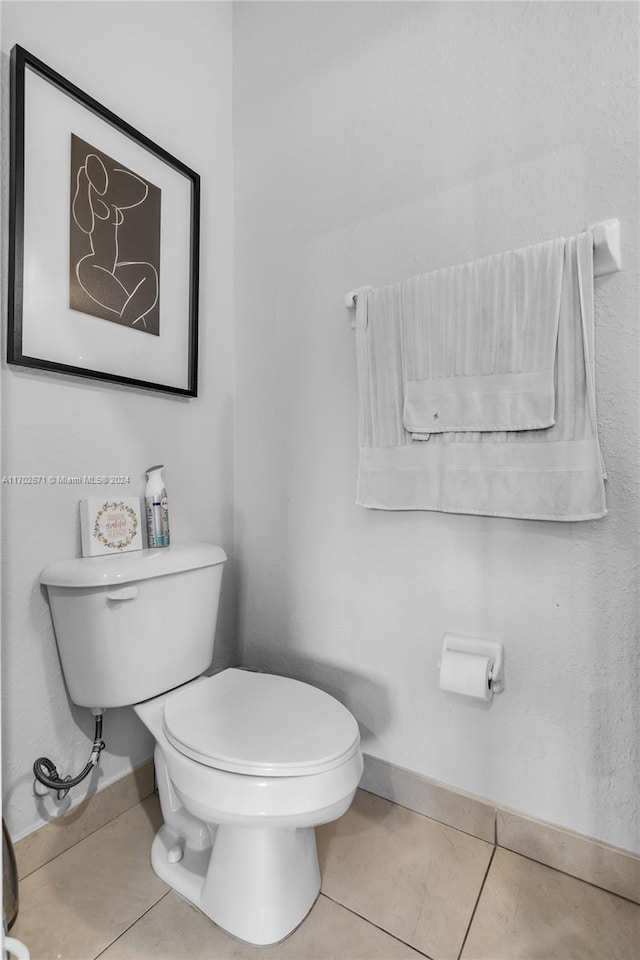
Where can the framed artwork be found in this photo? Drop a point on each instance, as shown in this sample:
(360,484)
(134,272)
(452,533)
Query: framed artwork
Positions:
(104,241)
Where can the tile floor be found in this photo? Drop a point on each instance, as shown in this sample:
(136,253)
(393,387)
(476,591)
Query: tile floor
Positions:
(396,885)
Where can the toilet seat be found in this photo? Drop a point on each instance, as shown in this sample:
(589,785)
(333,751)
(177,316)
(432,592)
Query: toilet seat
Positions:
(259,724)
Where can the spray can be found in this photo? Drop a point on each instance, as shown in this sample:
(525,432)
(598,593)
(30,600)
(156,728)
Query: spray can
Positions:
(157,509)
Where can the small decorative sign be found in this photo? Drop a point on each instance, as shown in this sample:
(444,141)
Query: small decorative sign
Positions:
(110,526)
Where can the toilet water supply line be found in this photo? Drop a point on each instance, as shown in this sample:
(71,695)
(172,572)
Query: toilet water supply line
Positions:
(46,772)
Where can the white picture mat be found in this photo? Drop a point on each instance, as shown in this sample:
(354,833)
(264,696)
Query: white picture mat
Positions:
(53,332)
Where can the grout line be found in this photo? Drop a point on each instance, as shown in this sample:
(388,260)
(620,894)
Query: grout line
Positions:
(475,908)
(376,925)
(126,930)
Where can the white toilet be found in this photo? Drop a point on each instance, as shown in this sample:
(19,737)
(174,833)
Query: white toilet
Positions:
(247,763)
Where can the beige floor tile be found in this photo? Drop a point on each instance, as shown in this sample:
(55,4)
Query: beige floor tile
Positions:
(530,912)
(174,930)
(36,849)
(414,877)
(76,905)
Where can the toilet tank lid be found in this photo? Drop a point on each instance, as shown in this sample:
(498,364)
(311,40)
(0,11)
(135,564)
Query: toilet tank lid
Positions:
(127,567)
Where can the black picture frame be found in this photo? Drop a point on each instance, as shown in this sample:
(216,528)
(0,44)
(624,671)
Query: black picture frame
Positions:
(43,331)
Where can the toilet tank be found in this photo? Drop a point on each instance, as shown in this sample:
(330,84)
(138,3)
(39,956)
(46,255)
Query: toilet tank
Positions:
(132,625)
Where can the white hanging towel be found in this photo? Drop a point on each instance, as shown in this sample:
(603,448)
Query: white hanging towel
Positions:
(480,343)
(553,473)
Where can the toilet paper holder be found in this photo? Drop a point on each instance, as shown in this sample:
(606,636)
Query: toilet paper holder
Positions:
(492,649)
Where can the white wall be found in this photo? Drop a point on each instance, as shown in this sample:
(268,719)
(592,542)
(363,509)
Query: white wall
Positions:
(166,68)
(374,141)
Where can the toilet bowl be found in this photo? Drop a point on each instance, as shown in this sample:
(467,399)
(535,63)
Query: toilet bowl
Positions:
(247,763)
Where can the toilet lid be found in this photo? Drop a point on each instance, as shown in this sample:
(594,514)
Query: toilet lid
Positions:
(260,724)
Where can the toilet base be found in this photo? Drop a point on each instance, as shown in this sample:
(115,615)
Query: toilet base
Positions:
(256,883)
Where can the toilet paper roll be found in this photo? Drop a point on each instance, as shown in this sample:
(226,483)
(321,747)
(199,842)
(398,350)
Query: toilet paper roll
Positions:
(466,673)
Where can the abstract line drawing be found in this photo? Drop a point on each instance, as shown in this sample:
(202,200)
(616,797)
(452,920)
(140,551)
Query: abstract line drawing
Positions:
(114,241)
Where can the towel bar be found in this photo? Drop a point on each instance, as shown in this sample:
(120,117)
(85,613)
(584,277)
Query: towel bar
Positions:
(606,255)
